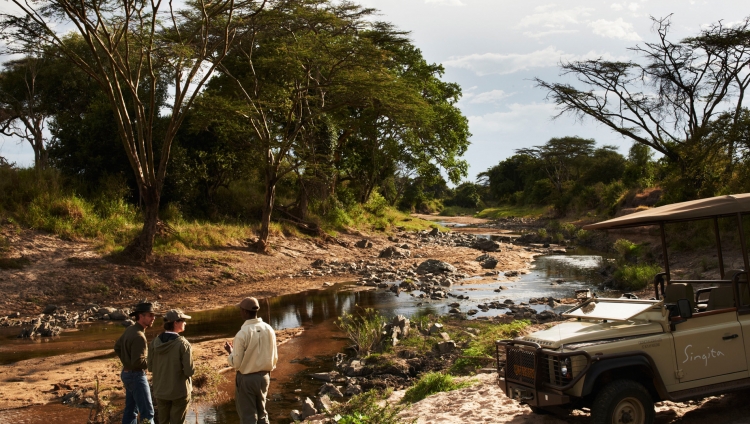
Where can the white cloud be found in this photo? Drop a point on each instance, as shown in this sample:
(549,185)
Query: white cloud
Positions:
(555,19)
(552,32)
(633,7)
(448,2)
(494,96)
(517,117)
(615,29)
(496,63)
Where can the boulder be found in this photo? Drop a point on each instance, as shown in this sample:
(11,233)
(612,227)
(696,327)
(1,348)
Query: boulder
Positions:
(352,389)
(435,231)
(323,403)
(436,328)
(489,263)
(50,309)
(320,263)
(446,347)
(363,244)
(330,390)
(308,408)
(402,323)
(119,315)
(434,266)
(394,252)
(486,245)
(296,415)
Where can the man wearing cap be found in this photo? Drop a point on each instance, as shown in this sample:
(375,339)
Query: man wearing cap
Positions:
(170,360)
(253,354)
(132,350)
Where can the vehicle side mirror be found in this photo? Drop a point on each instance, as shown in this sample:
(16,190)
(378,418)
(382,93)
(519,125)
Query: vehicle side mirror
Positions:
(683,307)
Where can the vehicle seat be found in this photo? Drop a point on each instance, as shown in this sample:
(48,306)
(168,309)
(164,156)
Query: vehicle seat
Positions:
(676,291)
(720,298)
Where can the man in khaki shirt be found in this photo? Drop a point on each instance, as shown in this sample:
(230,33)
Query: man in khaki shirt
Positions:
(253,354)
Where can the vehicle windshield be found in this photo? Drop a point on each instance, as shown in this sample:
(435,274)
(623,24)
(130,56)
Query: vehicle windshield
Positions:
(611,309)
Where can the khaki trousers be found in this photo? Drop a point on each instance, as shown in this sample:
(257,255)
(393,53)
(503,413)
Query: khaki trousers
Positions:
(172,411)
(250,397)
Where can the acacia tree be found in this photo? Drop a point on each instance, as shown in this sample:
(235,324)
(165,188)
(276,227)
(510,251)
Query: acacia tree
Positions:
(131,48)
(298,63)
(22,112)
(668,100)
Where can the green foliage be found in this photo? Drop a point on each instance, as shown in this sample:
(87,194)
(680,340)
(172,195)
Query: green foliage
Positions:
(482,347)
(431,383)
(635,277)
(466,195)
(366,408)
(364,329)
(627,249)
(511,211)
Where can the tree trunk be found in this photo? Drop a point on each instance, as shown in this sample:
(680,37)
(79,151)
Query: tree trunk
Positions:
(262,245)
(140,248)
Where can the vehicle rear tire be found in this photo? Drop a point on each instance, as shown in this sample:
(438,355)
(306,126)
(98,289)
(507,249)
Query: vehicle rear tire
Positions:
(623,402)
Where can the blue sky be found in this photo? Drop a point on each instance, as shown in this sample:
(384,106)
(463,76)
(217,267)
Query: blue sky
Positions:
(493,48)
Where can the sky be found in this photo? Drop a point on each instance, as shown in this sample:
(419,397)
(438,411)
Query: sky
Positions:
(494,48)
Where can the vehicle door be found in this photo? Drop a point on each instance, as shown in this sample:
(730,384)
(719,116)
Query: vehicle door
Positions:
(710,344)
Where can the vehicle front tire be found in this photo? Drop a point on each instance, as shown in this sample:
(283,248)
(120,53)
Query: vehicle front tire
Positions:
(623,402)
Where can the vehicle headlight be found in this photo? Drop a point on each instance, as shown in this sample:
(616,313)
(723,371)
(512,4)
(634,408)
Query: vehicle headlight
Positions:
(566,368)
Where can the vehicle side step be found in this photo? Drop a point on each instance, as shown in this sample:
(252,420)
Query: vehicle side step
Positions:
(713,389)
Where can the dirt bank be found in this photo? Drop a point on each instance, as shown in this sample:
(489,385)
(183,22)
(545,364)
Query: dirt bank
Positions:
(73,274)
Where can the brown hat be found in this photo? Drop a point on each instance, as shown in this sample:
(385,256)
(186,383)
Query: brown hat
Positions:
(249,304)
(142,307)
(174,315)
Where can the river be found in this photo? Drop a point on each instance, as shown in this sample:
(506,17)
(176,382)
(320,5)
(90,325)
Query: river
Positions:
(313,351)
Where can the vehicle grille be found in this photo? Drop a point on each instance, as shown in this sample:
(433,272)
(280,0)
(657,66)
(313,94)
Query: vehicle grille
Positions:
(520,365)
(551,369)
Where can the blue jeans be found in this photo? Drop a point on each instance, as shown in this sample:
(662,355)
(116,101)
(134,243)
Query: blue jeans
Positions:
(137,398)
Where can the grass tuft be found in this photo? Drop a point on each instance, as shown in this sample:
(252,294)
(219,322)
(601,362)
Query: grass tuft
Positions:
(431,383)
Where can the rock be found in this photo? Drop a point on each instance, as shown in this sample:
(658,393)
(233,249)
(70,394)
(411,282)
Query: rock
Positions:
(119,315)
(50,309)
(127,323)
(308,408)
(354,368)
(474,311)
(486,245)
(394,252)
(434,266)
(445,336)
(402,323)
(325,376)
(489,263)
(323,403)
(364,244)
(296,415)
(511,273)
(320,263)
(353,389)
(330,390)
(454,305)
(14,315)
(435,231)
(396,289)
(454,311)
(435,328)
(327,284)
(88,401)
(71,397)
(105,311)
(446,347)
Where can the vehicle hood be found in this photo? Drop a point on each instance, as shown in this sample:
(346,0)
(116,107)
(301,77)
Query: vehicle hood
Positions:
(582,331)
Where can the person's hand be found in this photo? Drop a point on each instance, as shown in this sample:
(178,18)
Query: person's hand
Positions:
(228,347)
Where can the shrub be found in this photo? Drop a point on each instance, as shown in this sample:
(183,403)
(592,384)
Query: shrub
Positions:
(635,277)
(482,348)
(627,249)
(363,329)
(366,409)
(431,383)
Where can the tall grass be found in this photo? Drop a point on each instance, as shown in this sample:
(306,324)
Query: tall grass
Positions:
(635,277)
(482,348)
(431,383)
(364,329)
(369,408)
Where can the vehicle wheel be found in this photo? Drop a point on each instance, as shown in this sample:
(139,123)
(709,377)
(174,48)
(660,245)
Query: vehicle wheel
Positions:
(623,402)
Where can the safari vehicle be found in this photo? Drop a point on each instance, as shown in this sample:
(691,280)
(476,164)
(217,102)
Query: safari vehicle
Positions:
(619,356)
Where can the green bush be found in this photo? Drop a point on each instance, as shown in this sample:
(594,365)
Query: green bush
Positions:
(431,383)
(627,249)
(635,277)
(363,329)
(482,347)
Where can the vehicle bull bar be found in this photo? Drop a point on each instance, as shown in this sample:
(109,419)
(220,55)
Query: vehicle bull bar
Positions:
(536,376)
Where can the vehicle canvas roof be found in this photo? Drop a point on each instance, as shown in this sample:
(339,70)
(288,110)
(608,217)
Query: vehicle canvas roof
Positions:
(685,211)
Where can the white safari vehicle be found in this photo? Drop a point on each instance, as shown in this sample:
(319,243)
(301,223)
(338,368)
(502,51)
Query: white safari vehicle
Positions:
(620,356)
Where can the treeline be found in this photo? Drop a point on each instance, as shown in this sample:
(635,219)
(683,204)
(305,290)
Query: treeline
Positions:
(293,109)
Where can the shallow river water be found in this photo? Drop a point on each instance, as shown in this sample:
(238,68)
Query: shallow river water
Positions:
(313,351)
